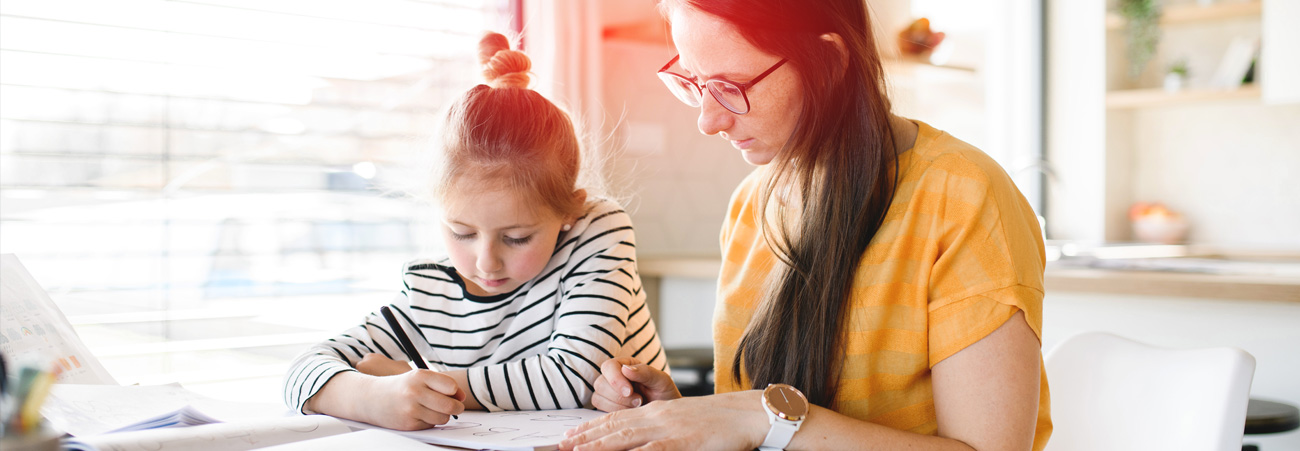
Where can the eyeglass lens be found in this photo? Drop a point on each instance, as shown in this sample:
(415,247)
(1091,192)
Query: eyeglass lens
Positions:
(729,95)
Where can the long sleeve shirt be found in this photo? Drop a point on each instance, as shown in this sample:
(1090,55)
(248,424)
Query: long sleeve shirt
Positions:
(537,347)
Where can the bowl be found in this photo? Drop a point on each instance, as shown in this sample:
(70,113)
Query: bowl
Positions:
(1160,229)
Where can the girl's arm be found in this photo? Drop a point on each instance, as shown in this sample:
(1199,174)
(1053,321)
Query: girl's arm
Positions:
(319,364)
(324,380)
(985,396)
(414,400)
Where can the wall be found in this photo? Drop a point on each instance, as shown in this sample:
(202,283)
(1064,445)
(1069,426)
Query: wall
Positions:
(676,181)
(1232,169)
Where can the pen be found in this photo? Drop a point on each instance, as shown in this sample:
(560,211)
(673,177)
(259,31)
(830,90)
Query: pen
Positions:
(4,374)
(402,339)
(405,341)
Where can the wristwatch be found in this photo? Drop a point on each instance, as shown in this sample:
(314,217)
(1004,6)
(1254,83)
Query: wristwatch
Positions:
(786,409)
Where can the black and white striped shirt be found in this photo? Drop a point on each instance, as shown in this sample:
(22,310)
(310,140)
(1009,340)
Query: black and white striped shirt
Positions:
(538,347)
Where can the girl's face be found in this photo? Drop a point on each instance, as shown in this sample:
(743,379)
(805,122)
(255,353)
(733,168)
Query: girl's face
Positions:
(713,48)
(498,240)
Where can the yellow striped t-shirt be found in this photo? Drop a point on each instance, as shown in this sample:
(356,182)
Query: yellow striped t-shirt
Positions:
(959,253)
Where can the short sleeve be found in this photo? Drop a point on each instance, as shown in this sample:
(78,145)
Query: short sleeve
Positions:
(990,262)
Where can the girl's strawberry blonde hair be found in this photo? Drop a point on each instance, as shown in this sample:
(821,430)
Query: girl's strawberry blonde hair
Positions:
(508,135)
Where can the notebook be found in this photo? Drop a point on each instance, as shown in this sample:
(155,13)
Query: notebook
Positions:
(170,417)
(87,410)
(531,430)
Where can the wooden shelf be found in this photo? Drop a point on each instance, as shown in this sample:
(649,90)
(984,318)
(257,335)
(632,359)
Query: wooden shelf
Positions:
(921,61)
(1180,14)
(1148,98)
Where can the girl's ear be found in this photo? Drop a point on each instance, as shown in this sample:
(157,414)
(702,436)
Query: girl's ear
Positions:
(579,198)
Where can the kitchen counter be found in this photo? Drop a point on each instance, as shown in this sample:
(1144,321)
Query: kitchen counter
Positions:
(1062,276)
(1175,284)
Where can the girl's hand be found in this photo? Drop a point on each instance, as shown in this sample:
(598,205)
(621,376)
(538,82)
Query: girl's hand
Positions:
(726,421)
(376,364)
(417,399)
(626,383)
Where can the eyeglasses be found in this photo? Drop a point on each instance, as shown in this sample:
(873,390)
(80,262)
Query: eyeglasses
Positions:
(729,94)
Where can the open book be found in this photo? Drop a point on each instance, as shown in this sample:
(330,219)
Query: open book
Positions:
(124,418)
(33,327)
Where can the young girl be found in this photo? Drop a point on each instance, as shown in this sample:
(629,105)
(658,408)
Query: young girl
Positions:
(539,287)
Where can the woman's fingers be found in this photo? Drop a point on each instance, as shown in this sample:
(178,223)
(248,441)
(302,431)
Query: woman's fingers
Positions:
(577,434)
(589,434)
(713,422)
(626,429)
(623,438)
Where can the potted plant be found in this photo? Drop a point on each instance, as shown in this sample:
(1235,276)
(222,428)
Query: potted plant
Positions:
(1176,75)
(1142,30)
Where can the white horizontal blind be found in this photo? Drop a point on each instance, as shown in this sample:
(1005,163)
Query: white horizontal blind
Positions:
(174,170)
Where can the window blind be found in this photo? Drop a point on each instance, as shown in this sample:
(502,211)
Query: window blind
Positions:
(201,184)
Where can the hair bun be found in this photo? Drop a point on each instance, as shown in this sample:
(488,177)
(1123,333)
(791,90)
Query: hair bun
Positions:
(502,67)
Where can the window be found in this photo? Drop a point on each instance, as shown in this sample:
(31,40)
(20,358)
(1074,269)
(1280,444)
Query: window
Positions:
(203,186)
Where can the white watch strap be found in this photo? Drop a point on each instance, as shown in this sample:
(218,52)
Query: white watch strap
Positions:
(780,435)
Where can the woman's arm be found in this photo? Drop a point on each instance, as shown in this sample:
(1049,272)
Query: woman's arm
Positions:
(986,398)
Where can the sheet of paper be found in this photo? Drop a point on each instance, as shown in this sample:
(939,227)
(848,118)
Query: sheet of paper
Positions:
(33,328)
(367,439)
(83,410)
(236,436)
(509,431)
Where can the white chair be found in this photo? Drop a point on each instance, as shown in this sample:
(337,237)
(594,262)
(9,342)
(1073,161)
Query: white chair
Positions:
(1112,393)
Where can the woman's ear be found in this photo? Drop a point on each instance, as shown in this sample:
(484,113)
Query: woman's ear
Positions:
(838,42)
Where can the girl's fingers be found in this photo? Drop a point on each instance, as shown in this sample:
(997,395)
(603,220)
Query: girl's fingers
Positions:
(600,401)
(612,400)
(440,383)
(446,404)
(611,371)
(655,384)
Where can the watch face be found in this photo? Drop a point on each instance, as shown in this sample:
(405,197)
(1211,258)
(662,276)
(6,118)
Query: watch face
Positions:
(786,402)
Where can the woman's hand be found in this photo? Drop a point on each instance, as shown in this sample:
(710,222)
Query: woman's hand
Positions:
(726,421)
(376,364)
(626,383)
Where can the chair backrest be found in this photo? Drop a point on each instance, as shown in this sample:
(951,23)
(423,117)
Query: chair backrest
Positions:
(1112,393)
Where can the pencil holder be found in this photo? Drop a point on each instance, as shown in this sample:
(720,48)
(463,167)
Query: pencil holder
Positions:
(43,439)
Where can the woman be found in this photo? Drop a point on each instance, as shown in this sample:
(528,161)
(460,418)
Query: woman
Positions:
(887,271)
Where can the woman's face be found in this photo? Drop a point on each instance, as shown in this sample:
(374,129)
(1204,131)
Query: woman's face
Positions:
(713,48)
